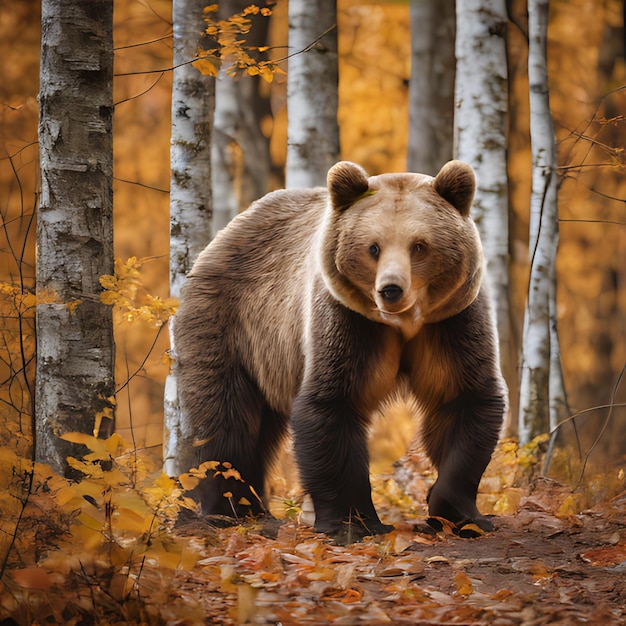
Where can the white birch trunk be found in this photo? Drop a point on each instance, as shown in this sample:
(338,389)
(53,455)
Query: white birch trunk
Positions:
(239,151)
(541,385)
(431,89)
(312,83)
(226,155)
(481,96)
(193,102)
(75,351)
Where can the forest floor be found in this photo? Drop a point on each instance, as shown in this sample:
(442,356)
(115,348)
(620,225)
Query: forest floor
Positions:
(535,568)
(120,547)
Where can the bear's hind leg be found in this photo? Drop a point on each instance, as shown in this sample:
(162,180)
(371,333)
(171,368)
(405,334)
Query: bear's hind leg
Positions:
(242,439)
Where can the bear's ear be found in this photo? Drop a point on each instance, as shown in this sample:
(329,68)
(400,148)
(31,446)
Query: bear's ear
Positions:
(455,183)
(347,182)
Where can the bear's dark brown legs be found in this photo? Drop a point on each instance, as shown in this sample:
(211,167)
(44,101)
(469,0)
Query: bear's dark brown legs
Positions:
(331,450)
(243,434)
(468,432)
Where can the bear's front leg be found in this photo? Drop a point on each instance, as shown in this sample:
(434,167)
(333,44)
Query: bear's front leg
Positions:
(468,432)
(456,377)
(330,441)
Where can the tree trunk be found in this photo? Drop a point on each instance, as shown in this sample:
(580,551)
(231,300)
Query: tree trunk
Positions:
(240,152)
(480,139)
(75,349)
(193,103)
(541,385)
(431,90)
(312,83)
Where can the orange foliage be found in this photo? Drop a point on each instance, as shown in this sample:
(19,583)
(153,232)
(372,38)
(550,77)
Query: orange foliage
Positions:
(110,535)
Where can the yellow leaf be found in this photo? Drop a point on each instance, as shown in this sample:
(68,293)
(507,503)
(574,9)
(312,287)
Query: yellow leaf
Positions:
(188,482)
(228,494)
(244,501)
(108,282)
(109,297)
(47,296)
(93,443)
(167,484)
(89,469)
(206,67)
(188,558)
(94,522)
(208,465)
(115,477)
(168,556)
(72,306)
(232,473)
(569,506)
(129,520)
(115,445)
(88,537)
(463,584)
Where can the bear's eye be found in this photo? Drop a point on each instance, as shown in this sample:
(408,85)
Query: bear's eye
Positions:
(418,247)
(374,251)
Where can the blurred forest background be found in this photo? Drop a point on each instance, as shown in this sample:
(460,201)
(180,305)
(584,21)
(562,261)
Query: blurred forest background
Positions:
(588,99)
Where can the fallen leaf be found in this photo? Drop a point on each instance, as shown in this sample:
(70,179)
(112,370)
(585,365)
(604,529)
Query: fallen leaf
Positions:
(605,556)
(33,578)
(463,584)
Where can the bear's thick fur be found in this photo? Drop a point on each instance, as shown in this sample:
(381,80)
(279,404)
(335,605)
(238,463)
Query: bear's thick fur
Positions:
(308,310)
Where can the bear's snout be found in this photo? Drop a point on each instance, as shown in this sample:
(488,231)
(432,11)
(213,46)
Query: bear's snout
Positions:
(391,293)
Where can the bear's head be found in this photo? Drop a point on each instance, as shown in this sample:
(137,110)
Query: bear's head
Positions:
(401,249)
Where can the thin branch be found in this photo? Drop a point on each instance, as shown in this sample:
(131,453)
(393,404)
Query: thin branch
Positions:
(141,365)
(599,407)
(204,56)
(134,182)
(140,94)
(144,43)
(604,427)
(616,222)
(5,560)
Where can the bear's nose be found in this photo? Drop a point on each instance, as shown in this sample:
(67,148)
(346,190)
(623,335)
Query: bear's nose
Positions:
(391,293)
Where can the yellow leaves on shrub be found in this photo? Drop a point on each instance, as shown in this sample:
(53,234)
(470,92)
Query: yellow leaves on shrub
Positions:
(124,291)
(228,35)
(111,520)
(15,298)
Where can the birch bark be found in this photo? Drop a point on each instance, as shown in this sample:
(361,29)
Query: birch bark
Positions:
(431,89)
(240,151)
(481,94)
(75,350)
(542,395)
(193,103)
(312,85)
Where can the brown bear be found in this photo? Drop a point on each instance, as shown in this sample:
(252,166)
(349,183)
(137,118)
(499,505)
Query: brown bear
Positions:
(308,310)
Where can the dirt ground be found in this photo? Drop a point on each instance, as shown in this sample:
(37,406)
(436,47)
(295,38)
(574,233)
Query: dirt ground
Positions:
(536,568)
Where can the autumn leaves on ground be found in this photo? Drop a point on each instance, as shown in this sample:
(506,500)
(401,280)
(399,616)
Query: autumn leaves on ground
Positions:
(124,546)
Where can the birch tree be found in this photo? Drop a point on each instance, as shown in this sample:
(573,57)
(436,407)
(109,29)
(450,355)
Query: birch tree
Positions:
(431,88)
(312,83)
(481,93)
(75,350)
(542,396)
(193,103)
(239,151)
